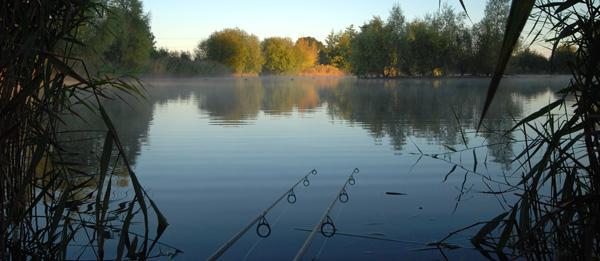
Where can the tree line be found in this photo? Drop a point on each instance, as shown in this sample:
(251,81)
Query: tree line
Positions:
(438,44)
(442,43)
(245,53)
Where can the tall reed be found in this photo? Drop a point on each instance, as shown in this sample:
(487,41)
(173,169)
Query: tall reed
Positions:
(46,202)
(556,215)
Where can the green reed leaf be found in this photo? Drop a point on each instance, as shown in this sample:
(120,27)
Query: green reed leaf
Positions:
(544,110)
(519,13)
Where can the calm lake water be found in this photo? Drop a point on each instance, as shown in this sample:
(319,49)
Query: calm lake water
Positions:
(214,152)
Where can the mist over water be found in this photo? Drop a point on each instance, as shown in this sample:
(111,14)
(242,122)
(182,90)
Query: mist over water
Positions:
(214,152)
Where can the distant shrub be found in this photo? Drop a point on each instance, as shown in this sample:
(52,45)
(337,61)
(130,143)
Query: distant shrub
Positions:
(234,48)
(322,70)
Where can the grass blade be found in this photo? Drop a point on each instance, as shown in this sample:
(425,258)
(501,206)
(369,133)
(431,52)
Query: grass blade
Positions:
(519,13)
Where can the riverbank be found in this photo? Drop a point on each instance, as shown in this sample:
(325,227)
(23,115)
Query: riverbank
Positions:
(317,76)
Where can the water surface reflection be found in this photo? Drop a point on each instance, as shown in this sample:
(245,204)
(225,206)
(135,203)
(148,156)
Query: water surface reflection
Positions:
(213,152)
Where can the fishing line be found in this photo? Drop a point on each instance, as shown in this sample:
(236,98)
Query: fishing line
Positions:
(261,238)
(327,238)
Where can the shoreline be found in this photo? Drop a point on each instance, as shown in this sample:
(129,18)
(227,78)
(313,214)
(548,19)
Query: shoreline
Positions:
(292,77)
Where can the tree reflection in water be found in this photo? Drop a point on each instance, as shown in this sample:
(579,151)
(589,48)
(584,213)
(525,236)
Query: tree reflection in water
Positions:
(397,109)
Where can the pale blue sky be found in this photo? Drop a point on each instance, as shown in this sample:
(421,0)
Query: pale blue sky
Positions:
(181,24)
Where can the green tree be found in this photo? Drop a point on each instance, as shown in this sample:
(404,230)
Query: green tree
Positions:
(280,55)
(118,38)
(453,39)
(562,58)
(464,51)
(371,49)
(235,49)
(437,44)
(338,48)
(422,48)
(254,56)
(396,27)
(489,34)
(529,61)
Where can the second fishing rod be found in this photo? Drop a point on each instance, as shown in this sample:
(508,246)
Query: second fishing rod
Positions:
(326,220)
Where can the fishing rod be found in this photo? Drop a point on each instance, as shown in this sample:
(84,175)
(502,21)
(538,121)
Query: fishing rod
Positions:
(326,220)
(262,221)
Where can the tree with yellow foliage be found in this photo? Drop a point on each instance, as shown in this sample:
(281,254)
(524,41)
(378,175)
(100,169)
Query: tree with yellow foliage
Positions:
(307,53)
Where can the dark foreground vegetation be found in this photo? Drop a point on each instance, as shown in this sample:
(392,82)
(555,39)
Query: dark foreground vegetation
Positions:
(54,205)
(556,215)
(445,42)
